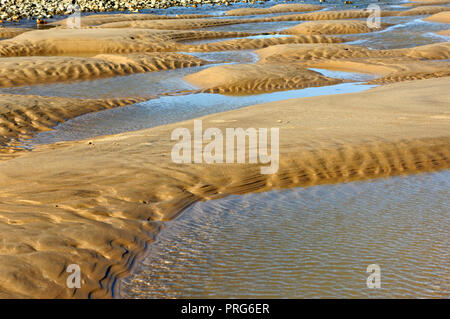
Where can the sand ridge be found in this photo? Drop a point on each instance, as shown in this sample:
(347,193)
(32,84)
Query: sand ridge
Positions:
(53,216)
(411,70)
(249,78)
(259,43)
(37,70)
(183,24)
(58,41)
(176,24)
(7,33)
(21,116)
(414,3)
(381,66)
(310,52)
(442,17)
(97,19)
(390,66)
(99,203)
(444,33)
(388,70)
(332,27)
(304,52)
(98,40)
(423,10)
(146,34)
(352,14)
(328,15)
(279,8)
(295,49)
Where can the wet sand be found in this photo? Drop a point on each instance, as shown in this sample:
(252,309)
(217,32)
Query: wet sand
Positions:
(414,3)
(442,17)
(105,222)
(333,27)
(315,247)
(99,202)
(21,116)
(250,78)
(279,8)
(6,33)
(35,70)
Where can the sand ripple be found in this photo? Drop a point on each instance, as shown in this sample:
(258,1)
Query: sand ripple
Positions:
(423,10)
(23,115)
(99,203)
(52,215)
(249,43)
(97,19)
(305,52)
(35,70)
(445,33)
(176,24)
(279,8)
(95,41)
(393,65)
(332,27)
(6,33)
(442,17)
(415,3)
(246,78)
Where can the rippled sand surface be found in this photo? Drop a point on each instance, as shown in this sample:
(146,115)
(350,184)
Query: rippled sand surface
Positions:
(170,109)
(69,194)
(307,243)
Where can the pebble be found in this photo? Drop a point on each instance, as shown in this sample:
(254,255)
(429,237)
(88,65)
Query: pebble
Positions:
(13,10)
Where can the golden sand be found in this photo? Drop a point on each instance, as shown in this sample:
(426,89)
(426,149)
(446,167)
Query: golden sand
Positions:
(37,70)
(305,52)
(445,32)
(352,14)
(442,17)
(248,44)
(98,40)
(126,40)
(23,115)
(51,215)
(60,41)
(97,19)
(332,27)
(197,23)
(7,33)
(415,3)
(310,52)
(279,8)
(175,24)
(327,15)
(424,10)
(389,65)
(388,70)
(98,203)
(250,78)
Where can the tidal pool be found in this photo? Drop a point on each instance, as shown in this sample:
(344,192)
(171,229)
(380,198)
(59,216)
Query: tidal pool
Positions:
(170,109)
(314,242)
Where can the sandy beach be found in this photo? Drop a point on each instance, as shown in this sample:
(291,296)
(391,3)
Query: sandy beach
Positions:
(100,202)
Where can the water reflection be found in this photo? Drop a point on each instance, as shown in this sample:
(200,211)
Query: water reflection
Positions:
(170,109)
